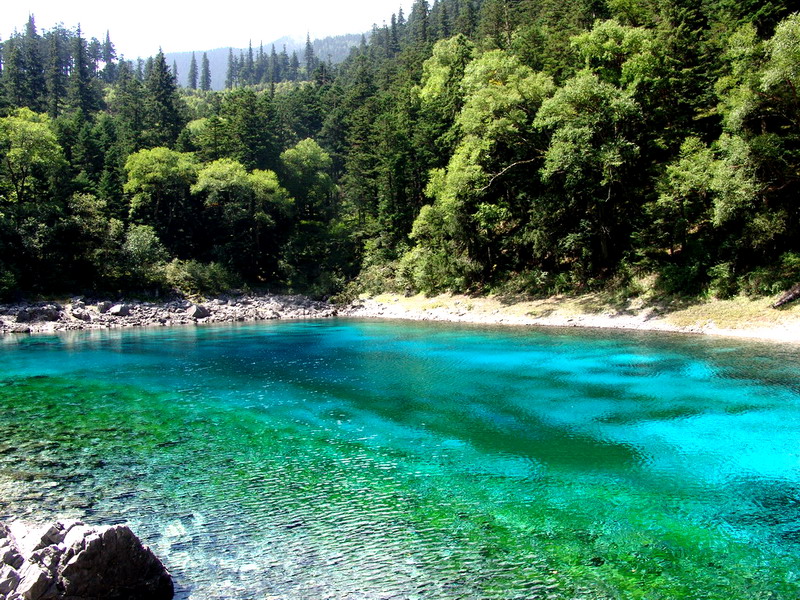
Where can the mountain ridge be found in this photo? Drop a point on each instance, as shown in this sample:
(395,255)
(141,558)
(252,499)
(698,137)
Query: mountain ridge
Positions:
(330,48)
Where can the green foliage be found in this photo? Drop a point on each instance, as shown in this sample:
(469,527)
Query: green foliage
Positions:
(29,155)
(144,255)
(510,145)
(193,278)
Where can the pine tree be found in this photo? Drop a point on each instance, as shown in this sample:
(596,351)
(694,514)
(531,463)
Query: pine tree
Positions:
(192,79)
(230,75)
(310,57)
(25,81)
(274,66)
(261,65)
(94,53)
(248,67)
(56,73)
(127,107)
(294,67)
(82,95)
(283,57)
(109,55)
(465,21)
(420,22)
(163,115)
(205,75)
(394,36)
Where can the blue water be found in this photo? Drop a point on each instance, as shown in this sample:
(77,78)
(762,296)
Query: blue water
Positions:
(365,460)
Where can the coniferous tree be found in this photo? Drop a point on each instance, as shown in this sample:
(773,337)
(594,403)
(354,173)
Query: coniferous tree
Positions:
(163,106)
(205,74)
(127,107)
(294,67)
(274,67)
(465,21)
(260,66)
(24,77)
(310,57)
(109,56)
(420,23)
(248,67)
(94,53)
(56,73)
(192,78)
(230,75)
(82,94)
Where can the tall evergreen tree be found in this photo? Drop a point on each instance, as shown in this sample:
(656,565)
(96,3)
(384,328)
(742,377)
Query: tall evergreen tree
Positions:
(82,94)
(465,21)
(230,74)
(191,81)
(248,67)
(310,57)
(205,74)
(24,78)
(109,56)
(56,72)
(420,22)
(163,106)
(274,67)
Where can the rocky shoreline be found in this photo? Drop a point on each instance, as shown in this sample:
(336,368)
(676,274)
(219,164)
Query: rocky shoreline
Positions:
(43,317)
(80,313)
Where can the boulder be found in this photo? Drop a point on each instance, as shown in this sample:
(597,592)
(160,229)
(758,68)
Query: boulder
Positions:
(81,314)
(73,561)
(119,310)
(102,307)
(197,311)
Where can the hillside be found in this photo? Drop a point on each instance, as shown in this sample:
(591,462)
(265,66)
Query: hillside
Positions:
(334,49)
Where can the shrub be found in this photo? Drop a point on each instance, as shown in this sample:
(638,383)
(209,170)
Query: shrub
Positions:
(192,277)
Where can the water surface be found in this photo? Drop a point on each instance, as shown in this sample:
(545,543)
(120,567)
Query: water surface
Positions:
(365,460)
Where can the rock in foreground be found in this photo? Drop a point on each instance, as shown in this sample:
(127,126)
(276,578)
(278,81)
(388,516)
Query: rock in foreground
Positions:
(73,561)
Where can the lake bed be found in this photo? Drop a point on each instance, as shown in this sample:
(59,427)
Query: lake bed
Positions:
(364,459)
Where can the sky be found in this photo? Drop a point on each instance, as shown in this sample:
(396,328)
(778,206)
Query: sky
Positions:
(140,27)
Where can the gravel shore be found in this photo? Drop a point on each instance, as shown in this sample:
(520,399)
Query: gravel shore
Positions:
(78,314)
(739,318)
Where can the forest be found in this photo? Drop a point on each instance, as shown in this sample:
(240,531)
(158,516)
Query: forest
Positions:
(529,147)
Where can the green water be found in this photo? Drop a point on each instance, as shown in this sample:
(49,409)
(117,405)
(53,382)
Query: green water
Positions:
(375,460)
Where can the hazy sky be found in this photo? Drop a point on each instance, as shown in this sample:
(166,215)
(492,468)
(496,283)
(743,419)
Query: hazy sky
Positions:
(140,27)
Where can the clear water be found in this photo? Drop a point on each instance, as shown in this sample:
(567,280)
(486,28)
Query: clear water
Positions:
(367,460)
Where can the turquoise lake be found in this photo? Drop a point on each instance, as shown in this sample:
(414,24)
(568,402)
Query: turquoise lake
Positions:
(361,460)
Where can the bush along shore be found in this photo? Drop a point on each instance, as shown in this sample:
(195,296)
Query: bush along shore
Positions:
(77,314)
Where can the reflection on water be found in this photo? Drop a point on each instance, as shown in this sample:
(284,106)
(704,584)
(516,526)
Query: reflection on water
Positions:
(344,459)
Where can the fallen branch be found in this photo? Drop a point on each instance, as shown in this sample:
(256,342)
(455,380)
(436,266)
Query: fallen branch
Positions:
(790,296)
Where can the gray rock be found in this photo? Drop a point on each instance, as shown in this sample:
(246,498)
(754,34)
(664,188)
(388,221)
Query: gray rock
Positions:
(72,561)
(112,563)
(198,312)
(9,580)
(81,314)
(102,307)
(119,310)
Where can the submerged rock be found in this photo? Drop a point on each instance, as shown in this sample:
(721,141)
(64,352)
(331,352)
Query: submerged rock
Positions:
(73,561)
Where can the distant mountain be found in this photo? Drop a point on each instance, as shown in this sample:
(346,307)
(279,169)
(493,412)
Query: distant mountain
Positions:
(334,49)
